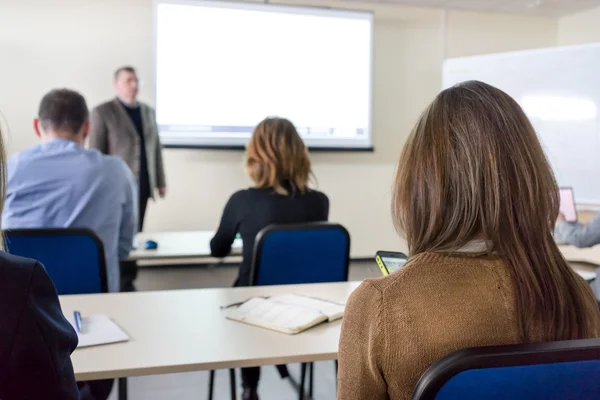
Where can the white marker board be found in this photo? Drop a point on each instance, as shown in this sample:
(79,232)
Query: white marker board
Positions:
(559,89)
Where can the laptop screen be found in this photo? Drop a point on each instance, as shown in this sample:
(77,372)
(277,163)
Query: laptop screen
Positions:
(567,204)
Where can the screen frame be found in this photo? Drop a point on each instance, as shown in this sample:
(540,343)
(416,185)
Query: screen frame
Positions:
(253,6)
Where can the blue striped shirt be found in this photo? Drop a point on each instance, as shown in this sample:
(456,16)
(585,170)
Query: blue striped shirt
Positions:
(60,184)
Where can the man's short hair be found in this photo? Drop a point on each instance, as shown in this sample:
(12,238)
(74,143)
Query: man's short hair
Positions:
(126,68)
(63,110)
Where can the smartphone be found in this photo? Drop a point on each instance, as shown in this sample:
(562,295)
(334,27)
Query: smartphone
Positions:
(390,261)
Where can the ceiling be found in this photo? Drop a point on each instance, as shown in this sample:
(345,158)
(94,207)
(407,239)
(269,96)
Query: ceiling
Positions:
(544,8)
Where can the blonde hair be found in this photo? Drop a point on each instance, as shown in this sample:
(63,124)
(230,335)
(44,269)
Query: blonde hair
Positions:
(473,167)
(276,155)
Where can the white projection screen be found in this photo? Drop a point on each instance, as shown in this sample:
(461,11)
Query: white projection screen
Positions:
(222,67)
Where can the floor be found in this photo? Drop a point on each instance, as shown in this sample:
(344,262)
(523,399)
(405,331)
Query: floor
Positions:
(194,385)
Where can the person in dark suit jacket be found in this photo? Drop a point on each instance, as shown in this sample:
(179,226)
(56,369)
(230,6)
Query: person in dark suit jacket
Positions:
(36,341)
(126,127)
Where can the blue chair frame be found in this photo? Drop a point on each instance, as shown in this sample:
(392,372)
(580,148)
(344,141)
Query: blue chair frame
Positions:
(560,354)
(261,238)
(63,232)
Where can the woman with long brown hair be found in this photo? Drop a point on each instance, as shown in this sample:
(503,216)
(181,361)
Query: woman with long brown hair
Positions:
(277,161)
(477,201)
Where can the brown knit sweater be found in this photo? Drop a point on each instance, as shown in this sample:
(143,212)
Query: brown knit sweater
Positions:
(395,327)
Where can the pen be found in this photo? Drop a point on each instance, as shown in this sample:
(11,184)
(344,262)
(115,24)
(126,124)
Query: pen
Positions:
(78,321)
(240,303)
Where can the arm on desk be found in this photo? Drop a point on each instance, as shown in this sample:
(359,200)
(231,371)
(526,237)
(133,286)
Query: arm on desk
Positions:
(220,245)
(579,235)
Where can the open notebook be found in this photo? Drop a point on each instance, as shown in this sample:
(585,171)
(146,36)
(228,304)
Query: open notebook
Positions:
(290,313)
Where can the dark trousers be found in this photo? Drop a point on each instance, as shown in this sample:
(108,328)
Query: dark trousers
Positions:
(95,390)
(251,376)
(129,269)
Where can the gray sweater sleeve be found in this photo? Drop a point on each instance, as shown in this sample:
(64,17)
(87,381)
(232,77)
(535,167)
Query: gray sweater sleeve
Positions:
(579,235)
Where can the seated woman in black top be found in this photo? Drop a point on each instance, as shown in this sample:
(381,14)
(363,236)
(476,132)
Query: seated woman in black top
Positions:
(278,163)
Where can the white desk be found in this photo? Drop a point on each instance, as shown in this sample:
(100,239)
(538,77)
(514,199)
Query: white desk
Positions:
(185,330)
(590,255)
(177,245)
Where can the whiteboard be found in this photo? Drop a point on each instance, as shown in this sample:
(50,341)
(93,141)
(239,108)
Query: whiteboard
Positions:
(559,89)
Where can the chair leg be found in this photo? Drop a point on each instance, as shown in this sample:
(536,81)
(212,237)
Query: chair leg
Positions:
(122,388)
(211,384)
(311,377)
(302,380)
(232,384)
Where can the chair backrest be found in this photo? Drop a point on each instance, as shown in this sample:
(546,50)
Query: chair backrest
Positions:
(549,371)
(74,258)
(300,253)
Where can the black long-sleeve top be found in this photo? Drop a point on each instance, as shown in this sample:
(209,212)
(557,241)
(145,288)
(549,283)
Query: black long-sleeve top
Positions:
(249,211)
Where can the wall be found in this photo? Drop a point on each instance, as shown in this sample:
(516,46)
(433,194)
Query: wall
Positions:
(579,28)
(473,33)
(53,43)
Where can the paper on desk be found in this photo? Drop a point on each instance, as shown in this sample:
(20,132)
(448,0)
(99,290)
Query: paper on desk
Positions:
(332,309)
(286,318)
(99,329)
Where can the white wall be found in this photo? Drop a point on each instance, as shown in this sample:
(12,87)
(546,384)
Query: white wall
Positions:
(77,44)
(579,28)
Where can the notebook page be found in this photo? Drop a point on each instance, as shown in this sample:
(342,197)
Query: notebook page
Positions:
(331,309)
(276,316)
(99,329)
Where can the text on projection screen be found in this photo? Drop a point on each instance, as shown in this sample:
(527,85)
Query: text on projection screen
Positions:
(223,67)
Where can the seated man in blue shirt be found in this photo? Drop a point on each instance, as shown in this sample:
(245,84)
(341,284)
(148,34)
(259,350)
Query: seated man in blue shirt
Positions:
(60,184)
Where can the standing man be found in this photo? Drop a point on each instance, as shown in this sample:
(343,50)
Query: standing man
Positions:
(127,128)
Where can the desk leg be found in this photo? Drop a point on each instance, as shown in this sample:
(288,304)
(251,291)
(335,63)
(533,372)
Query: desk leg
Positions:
(122,388)
(302,380)
(311,376)
(233,384)
(211,384)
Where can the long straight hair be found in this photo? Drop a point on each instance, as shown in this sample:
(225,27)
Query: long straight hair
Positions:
(473,167)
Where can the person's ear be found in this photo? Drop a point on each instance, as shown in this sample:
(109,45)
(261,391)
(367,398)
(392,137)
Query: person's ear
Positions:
(37,128)
(86,129)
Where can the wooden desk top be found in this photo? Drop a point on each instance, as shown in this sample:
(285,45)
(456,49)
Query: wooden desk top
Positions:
(177,245)
(185,330)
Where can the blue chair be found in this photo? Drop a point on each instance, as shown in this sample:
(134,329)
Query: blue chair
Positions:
(549,371)
(317,252)
(73,257)
(300,253)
